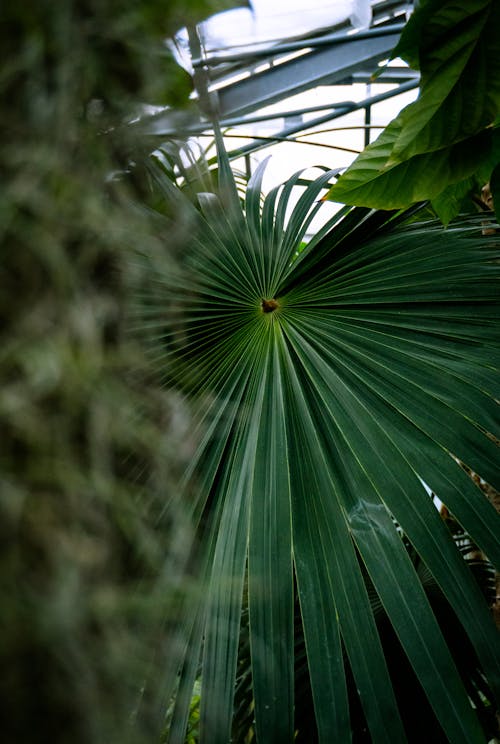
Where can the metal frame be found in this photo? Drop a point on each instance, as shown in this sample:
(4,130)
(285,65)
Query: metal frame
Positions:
(331,65)
(288,132)
(274,73)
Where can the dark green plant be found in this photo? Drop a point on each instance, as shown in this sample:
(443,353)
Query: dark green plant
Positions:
(333,382)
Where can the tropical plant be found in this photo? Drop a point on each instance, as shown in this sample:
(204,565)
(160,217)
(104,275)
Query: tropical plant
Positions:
(335,385)
(446,145)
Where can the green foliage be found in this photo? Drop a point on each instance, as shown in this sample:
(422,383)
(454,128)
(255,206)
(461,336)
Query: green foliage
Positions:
(92,445)
(436,144)
(495,188)
(103,553)
(454,199)
(333,383)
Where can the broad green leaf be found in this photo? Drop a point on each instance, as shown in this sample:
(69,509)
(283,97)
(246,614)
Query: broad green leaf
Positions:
(460,79)
(371,182)
(445,136)
(448,204)
(428,29)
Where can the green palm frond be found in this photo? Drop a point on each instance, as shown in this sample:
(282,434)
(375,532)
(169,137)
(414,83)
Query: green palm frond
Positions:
(333,383)
(185,164)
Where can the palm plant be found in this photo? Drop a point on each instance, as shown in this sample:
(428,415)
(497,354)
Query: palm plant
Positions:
(335,384)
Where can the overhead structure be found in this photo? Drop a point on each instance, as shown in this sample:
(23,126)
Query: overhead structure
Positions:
(241,66)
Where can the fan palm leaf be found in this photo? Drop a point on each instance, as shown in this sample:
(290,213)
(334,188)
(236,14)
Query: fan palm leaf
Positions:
(336,383)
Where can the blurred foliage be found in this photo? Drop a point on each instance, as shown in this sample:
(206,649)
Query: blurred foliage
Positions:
(91,443)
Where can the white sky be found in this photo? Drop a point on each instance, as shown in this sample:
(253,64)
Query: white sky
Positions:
(275,19)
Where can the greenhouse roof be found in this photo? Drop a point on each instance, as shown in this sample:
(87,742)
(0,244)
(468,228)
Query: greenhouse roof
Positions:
(247,59)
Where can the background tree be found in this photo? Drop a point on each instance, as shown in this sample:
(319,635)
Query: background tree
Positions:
(91,443)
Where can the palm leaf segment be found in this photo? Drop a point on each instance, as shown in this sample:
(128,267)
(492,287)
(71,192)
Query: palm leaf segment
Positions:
(338,378)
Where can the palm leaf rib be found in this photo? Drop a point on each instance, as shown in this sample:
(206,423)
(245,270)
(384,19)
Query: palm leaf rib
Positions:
(334,381)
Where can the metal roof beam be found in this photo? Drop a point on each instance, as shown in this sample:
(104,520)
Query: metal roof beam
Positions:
(286,133)
(272,51)
(176,123)
(323,66)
